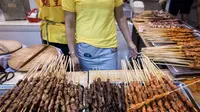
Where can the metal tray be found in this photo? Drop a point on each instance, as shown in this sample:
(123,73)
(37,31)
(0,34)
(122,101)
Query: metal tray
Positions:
(188,94)
(183,71)
(4,88)
(159,44)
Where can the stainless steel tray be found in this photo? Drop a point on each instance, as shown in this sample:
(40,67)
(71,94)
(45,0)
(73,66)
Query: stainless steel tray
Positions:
(188,94)
(159,44)
(4,88)
(183,71)
(185,91)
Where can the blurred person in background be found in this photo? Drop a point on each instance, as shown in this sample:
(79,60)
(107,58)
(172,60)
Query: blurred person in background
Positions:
(53,23)
(181,6)
(198,14)
(163,4)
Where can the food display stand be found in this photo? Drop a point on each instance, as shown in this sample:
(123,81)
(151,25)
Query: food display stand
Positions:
(150,38)
(52,88)
(140,86)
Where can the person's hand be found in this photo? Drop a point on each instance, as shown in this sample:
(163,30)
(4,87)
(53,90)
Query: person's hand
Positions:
(132,50)
(75,62)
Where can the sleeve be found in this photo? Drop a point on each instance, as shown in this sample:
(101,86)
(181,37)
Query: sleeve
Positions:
(37,2)
(118,3)
(68,5)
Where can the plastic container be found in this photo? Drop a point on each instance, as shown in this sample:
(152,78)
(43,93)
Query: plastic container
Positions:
(137,6)
(33,19)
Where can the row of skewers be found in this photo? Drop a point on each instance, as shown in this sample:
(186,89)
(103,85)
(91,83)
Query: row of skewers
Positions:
(152,91)
(45,90)
(181,46)
(53,89)
(165,23)
(169,27)
(185,55)
(170,35)
(48,87)
(162,19)
(154,15)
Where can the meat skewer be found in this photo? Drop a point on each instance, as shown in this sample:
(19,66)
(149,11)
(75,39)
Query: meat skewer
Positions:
(40,92)
(45,95)
(12,92)
(53,84)
(13,95)
(9,92)
(67,97)
(27,103)
(19,104)
(182,96)
(53,99)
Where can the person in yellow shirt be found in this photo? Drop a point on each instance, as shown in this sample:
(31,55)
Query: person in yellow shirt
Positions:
(91,32)
(53,23)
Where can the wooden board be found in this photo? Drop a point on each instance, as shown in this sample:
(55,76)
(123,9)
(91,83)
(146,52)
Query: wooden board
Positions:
(9,46)
(113,75)
(79,77)
(18,58)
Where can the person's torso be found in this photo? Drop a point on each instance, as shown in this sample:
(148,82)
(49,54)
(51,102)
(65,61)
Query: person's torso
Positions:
(50,10)
(95,22)
(52,15)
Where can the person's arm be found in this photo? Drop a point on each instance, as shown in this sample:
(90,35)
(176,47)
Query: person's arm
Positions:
(70,25)
(123,26)
(70,30)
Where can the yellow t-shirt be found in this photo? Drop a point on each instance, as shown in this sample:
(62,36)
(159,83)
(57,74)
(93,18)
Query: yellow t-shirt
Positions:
(51,10)
(95,21)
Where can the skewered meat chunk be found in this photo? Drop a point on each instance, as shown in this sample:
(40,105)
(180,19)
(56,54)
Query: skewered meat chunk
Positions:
(183,40)
(8,100)
(194,65)
(192,43)
(149,109)
(144,109)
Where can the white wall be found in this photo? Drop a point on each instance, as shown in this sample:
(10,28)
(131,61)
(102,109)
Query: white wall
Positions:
(32,4)
(22,31)
(26,38)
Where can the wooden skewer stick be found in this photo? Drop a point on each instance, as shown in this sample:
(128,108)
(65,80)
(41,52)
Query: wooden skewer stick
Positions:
(143,78)
(125,74)
(34,68)
(146,72)
(38,110)
(129,71)
(159,74)
(31,107)
(45,67)
(126,71)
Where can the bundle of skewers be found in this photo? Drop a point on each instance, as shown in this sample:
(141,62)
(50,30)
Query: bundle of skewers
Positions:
(170,35)
(165,23)
(105,96)
(150,90)
(155,15)
(48,89)
(180,35)
(161,14)
(185,55)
